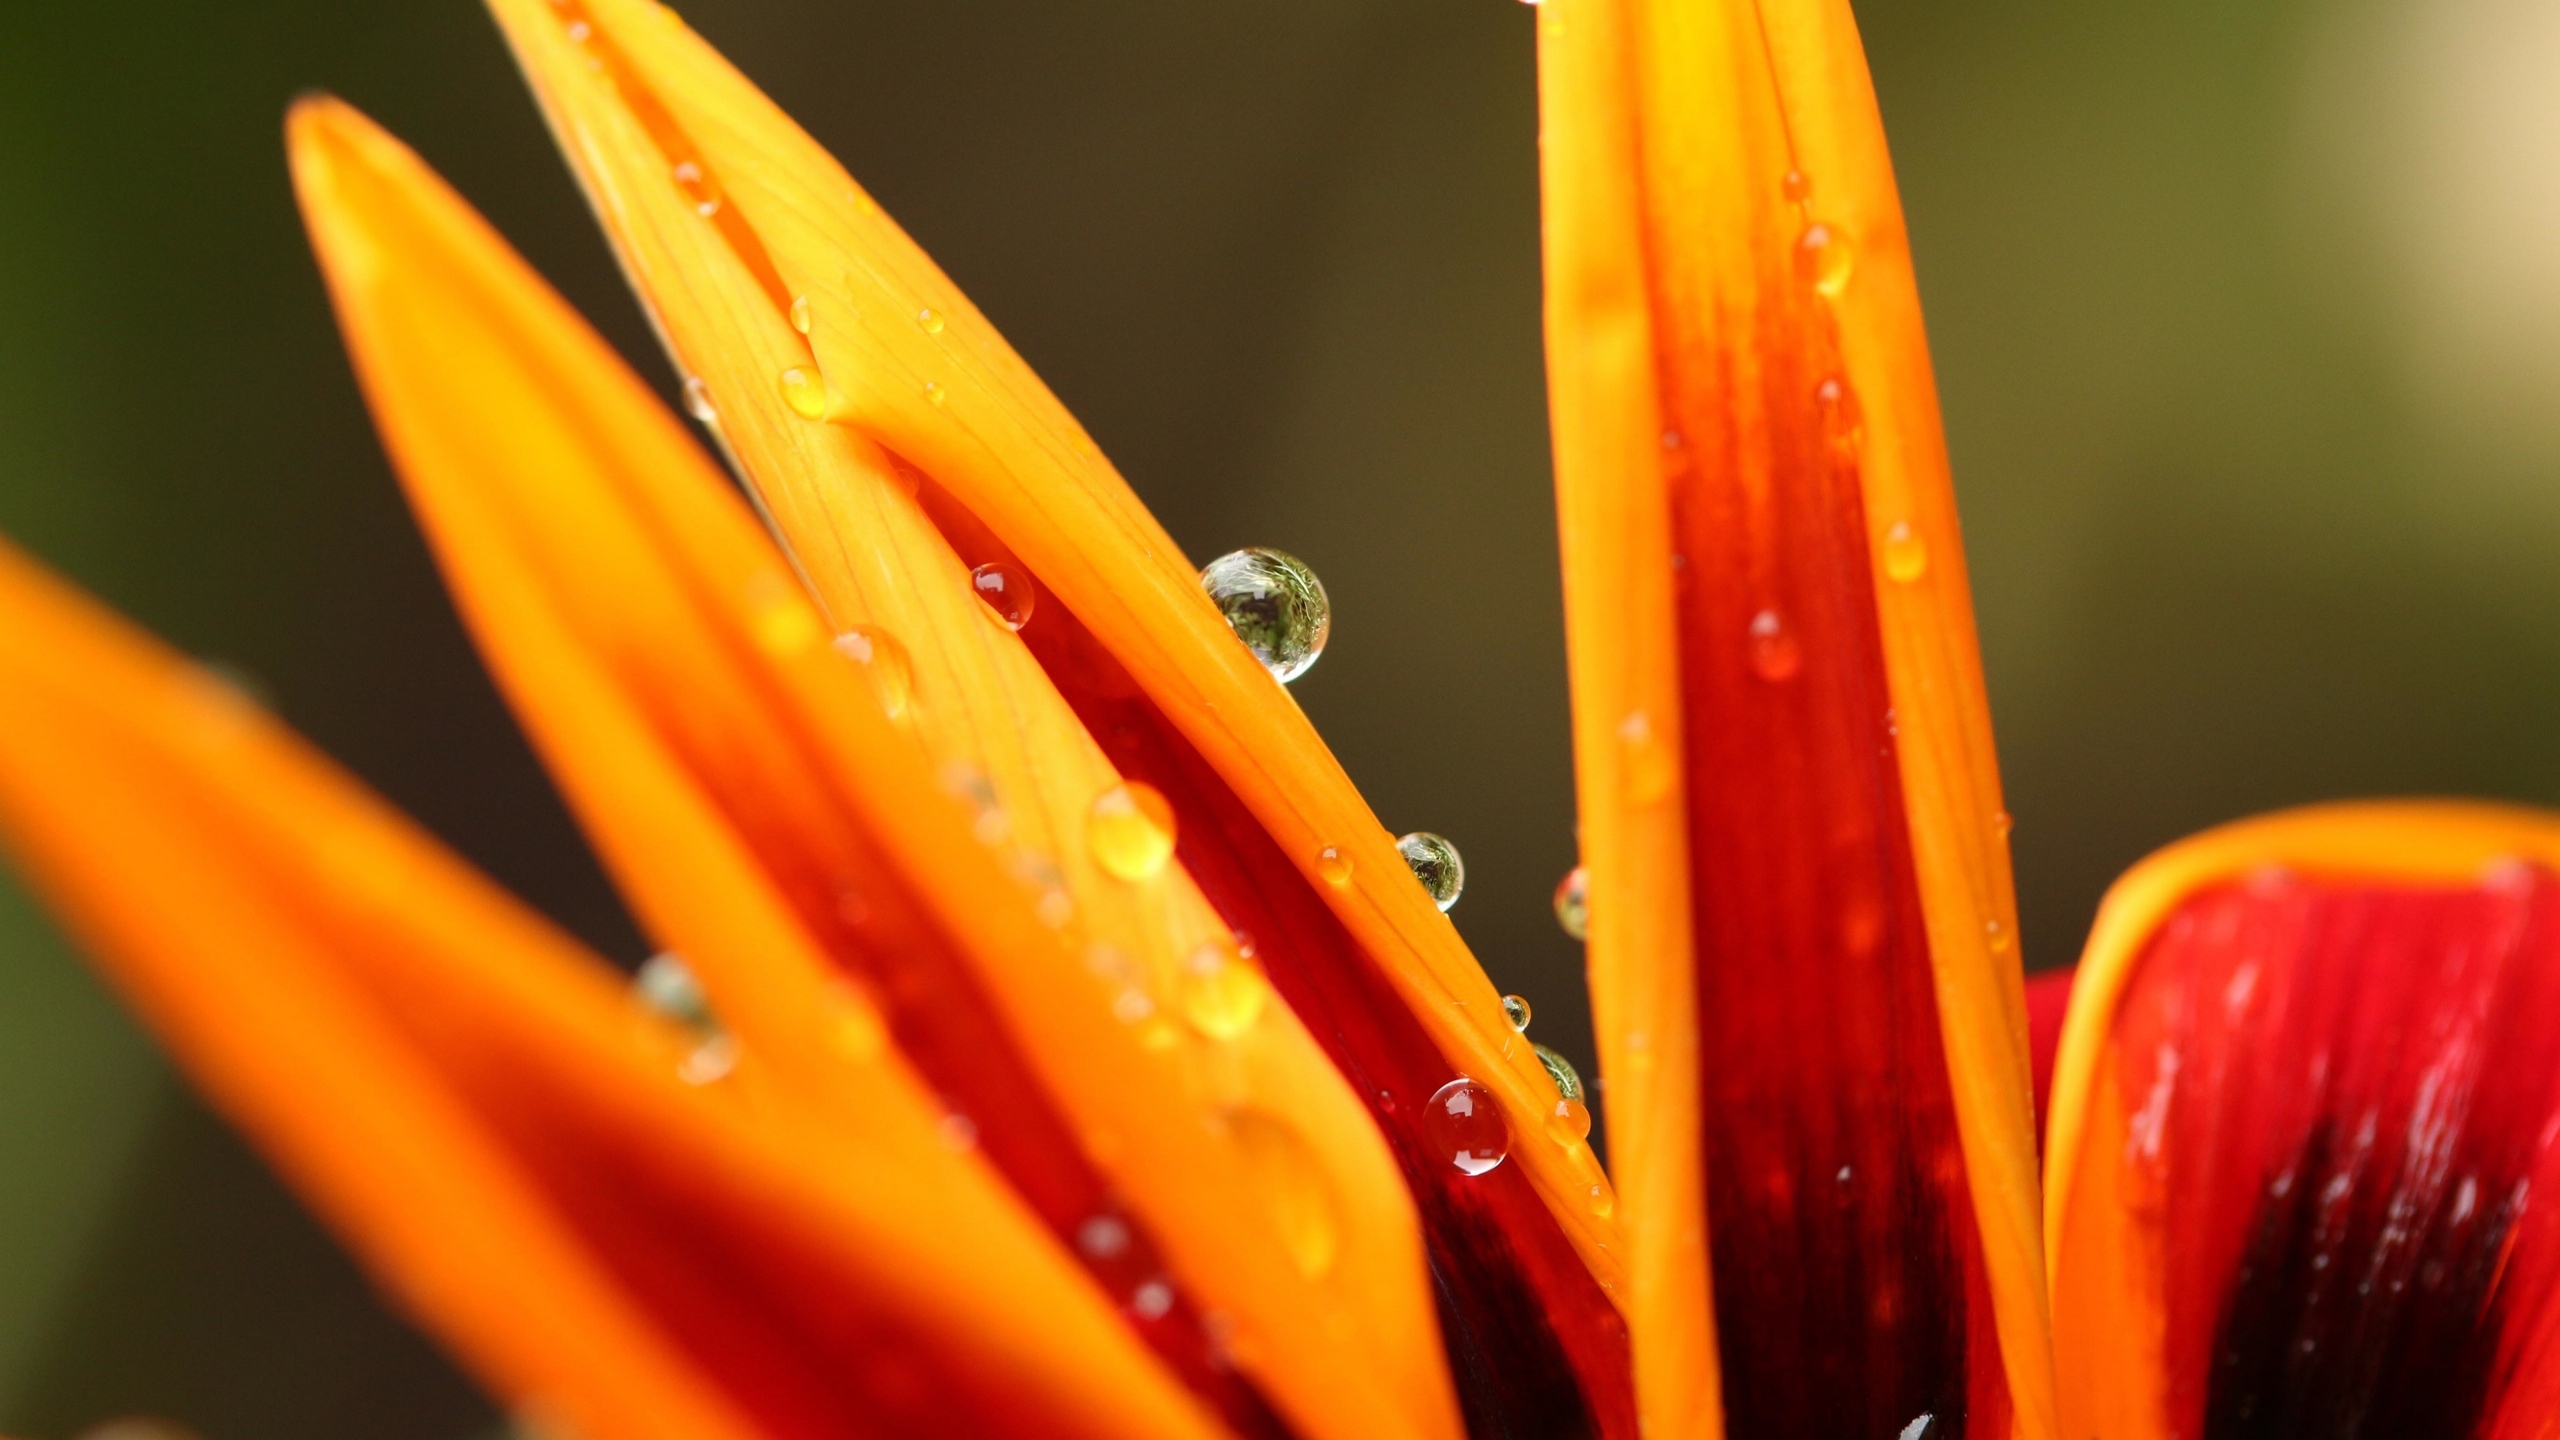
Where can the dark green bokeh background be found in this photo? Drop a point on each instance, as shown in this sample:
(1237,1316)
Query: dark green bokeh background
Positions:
(2257,481)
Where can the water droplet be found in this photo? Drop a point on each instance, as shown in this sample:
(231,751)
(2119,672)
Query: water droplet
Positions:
(934,392)
(697,401)
(1568,1122)
(580,32)
(1795,186)
(1906,555)
(1462,1121)
(1824,258)
(1103,1237)
(1999,936)
(1435,863)
(1644,758)
(1844,421)
(1295,1191)
(708,1061)
(1604,1198)
(1516,1010)
(1222,994)
(1560,1070)
(957,1131)
(1275,605)
(1151,1301)
(1334,866)
(2001,822)
(885,664)
(1573,903)
(930,319)
(1923,1428)
(1775,656)
(667,986)
(805,392)
(1007,591)
(698,187)
(1130,828)
(800,314)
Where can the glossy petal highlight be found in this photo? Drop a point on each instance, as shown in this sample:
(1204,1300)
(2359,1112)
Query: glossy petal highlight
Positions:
(475,1105)
(1135,673)
(1810,1005)
(2304,1132)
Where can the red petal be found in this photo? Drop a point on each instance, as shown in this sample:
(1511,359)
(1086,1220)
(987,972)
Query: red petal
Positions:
(2304,1132)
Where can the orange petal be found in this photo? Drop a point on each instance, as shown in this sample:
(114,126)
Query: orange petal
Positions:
(1808,1000)
(478,1108)
(792,836)
(2048,1000)
(1133,674)
(2303,1132)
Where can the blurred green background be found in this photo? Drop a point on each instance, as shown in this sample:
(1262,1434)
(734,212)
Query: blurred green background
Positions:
(2247,317)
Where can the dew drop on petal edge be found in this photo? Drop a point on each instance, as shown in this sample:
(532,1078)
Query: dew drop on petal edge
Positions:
(1334,866)
(1573,903)
(804,392)
(800,313)
(1516,1010)
(1568,1122)
(1275,605)
(1130,829)
(1906,555)
(1434,862)
(1007,591)
(886,666)
(1462,1121)
(1221,993)
(1568,1081)
(697,401)
(667,986)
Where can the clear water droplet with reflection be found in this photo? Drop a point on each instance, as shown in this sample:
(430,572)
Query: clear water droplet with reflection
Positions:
(697,401)
(1334,866)
(1220,991)
(886,666)
(800,313)
(667,986)
(804,392)
(1130,829)
(1560,1070)
(1573,903)
(1906,555)
(1434,862)
(1462,1121)
(1007,591)
(1275,605)
(1516,1010)
(1569,1122)
(698,187)
(1775,656)
(934,392)
(931,320)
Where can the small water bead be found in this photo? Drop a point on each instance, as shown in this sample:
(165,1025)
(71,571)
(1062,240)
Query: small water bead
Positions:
(1434,862)
(1844,422)
(697,401)
(890,671)
(1462,1121)
(1573,903)
(1569,1122)
(1795,186)
(1568,1081)
(1516,1010)
(934,392)
(667,986)
(1152,1301)
(1775,655)
(1275,605)
(1825,259)
(800,314)
(1007,591)
(1130,827)
(698,187)
(1646,770)
(1906,555)
(1334,866)
(1104,1237)
(805,392)
(930,319)
(1220,991)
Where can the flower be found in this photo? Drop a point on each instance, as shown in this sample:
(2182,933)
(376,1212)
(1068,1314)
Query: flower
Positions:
(1048,1040)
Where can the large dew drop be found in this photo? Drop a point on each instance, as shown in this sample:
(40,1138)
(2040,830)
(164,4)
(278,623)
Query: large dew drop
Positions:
(1275,605)
(1573,903)
(1007,591)
(1130,827)
(1516,1010)
(1462,1121)
(885,665)
(1435,863)
(1569,1119)
(804,392)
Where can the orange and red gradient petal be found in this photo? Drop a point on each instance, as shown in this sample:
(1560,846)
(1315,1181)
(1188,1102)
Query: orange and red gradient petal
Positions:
(790,299)
(477,1106)
(2306,1131)
(1801,953)
(773,811)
